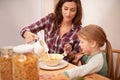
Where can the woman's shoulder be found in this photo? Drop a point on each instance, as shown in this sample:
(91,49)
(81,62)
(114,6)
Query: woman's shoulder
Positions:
(51,16)
(76,27)
(48,17)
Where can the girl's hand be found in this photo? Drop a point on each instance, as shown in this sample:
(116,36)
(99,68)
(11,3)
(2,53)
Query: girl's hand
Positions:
(30,37)
(67,48)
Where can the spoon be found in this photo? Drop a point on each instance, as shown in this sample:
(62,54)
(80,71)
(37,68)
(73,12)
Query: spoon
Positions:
(64,54)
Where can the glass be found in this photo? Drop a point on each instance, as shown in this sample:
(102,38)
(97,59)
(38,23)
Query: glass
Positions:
(25,66)
(6,63)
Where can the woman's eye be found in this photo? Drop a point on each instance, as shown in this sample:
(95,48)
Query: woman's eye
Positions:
(65,9)
(81,42)
(73,10)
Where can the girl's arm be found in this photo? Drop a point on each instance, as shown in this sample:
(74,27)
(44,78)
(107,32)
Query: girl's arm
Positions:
(94,65)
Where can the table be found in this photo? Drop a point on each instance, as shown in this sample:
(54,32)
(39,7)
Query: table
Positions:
(95,77)
(69,66)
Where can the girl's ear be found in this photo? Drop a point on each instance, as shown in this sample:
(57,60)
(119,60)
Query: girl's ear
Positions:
(93,44)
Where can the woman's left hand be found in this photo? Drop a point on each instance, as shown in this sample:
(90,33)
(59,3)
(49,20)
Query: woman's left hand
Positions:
(67,48)
(68,51)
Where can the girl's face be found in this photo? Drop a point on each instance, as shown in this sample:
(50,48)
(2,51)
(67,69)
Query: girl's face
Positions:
(69,10)
(86,46)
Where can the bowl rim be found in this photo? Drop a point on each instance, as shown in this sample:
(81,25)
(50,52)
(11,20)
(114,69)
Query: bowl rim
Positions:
(53,62)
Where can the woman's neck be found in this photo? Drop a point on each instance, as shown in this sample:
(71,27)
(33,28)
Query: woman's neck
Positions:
(67,24)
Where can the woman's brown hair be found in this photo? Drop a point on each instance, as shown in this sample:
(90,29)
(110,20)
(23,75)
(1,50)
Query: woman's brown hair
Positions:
(57,16)
(96,33)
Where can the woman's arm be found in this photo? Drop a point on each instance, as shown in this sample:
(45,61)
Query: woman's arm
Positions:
(36,27)
(30,37)
(29,32)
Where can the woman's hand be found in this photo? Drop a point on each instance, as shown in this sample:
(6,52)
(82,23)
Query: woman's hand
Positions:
(30,37)
(67,48)
(68,51)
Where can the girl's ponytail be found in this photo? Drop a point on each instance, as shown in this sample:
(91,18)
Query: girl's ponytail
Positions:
(108,51)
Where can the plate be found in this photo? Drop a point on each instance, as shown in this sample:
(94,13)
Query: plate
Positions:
(59,66)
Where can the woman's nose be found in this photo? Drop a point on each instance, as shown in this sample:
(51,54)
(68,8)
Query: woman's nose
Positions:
(79,44)
(68,13)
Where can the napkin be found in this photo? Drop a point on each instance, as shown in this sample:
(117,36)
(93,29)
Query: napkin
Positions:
(23,48)
(37,47)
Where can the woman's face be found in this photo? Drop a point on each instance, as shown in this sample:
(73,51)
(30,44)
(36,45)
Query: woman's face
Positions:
(85,46)
(69,10)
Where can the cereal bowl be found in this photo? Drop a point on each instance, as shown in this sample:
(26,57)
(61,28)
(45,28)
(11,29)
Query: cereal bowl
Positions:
(53,59)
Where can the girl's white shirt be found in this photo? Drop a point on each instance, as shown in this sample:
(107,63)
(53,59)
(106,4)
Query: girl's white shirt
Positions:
(94,65)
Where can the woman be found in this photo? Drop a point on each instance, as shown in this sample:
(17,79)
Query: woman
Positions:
(60,28)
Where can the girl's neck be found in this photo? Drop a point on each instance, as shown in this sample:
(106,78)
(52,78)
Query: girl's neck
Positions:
(95,51)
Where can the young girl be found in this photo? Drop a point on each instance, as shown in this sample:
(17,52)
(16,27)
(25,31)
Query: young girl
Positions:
(92,38)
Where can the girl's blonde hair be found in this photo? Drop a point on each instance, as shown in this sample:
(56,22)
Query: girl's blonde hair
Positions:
(96,33)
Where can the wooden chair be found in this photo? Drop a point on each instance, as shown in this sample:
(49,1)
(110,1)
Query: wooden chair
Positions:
(116,63)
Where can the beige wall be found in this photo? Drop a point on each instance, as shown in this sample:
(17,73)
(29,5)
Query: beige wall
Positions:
(105,13)
(55,1)
(14,14)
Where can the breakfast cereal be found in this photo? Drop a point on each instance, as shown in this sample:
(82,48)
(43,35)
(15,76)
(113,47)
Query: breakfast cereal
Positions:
(26,69)
(5,65)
